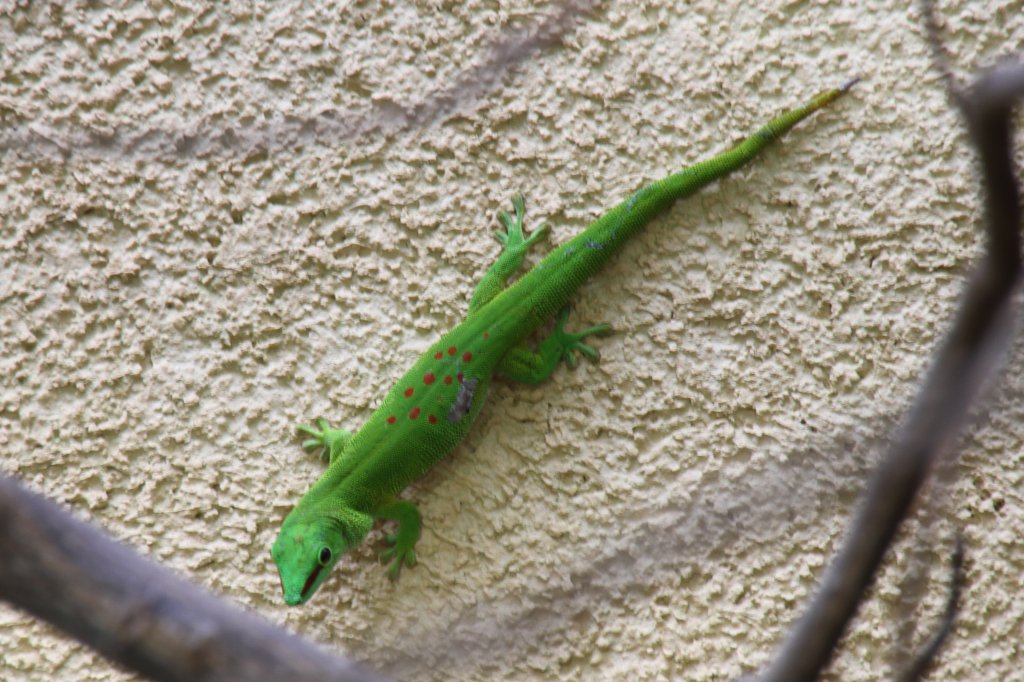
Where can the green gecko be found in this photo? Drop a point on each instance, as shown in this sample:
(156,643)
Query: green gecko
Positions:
(432,406)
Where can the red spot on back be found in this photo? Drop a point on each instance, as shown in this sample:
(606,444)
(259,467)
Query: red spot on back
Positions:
(460,377)
(432,419)
(414,412)
(451,350)
(429,378)
(391,419)
(467,356)
(408,392)
(487,335)
(438,355)
(448,379)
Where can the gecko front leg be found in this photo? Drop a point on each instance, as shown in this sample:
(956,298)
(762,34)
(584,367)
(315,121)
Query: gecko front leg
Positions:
(404,539)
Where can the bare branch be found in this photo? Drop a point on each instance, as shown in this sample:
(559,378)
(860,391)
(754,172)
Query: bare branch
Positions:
(326,128)
(132,611)
(963,363)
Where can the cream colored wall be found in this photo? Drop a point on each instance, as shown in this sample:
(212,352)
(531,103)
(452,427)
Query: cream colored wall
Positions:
(168,316)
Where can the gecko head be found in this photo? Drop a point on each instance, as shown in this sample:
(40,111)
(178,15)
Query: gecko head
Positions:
(309,545)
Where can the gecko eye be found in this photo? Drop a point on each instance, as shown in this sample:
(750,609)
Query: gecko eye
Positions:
(325,556)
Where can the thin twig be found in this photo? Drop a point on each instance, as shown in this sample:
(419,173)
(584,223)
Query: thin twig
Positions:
(940,59)
(926,657)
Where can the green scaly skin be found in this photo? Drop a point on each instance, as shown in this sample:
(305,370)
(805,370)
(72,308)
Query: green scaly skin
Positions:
(432,406)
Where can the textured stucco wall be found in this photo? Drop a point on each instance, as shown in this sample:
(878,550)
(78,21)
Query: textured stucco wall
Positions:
(188,270)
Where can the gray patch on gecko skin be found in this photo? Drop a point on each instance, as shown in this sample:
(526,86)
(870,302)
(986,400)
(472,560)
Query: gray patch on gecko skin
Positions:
(463,399)
(594,244)
(630,203)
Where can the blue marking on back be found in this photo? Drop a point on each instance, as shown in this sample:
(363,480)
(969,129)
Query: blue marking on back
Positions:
(463,400)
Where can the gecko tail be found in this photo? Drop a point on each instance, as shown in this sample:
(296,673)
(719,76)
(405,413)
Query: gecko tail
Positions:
(845,87)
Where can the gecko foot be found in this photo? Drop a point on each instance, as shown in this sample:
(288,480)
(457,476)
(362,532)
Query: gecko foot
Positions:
(513,238)
(331,441)
(571,343)
(401,552)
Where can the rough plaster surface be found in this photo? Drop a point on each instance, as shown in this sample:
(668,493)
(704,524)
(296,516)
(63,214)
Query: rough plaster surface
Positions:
(219,220)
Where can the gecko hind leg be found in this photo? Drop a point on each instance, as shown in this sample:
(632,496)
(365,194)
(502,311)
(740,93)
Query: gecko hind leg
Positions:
(532,367)
(515,244)
(331,441)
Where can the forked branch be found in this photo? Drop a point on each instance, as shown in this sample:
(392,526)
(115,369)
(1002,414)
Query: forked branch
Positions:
(964,361)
